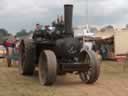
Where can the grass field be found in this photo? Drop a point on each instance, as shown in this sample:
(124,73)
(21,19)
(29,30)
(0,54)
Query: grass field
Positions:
(112,82)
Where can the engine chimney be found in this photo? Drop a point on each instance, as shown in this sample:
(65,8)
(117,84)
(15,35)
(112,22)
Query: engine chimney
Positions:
(68,12)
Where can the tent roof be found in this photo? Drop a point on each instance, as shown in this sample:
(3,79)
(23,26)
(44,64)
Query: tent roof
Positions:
(104,35)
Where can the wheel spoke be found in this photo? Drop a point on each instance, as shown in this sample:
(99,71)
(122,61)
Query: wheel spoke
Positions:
(92,74)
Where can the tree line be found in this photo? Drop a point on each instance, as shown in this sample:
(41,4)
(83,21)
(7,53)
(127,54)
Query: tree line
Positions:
(24,32)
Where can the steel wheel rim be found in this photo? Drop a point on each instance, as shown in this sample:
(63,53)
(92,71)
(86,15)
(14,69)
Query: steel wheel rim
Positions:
(86,75)
(42,70)
(21,65)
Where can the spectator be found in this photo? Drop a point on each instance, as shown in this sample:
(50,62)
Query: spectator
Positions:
(8,45)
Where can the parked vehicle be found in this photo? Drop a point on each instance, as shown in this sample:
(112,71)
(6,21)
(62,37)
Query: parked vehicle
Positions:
(2,51)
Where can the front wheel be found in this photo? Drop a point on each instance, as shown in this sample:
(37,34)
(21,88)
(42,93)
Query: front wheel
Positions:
(47,67)
(91,75)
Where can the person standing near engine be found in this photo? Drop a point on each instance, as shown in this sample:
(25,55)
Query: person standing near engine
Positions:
(36,31)
(38,28)
(39,32)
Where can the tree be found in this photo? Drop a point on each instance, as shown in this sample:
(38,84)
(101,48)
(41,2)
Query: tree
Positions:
(93,29)
(102,29)
(23,32)
(126,26)
(107,28)
(3,32)
(30,32)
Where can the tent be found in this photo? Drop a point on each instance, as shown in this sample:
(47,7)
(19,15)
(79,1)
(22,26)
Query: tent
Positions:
(120,40)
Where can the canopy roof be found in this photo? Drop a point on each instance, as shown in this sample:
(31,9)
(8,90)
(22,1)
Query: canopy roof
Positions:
(104,35)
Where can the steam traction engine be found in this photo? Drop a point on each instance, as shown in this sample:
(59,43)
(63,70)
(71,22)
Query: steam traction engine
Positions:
(58,53)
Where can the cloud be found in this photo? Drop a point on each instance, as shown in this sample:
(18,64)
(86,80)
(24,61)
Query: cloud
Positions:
(100,12)
(106,7)
(21,7)
(52,4)
(18,14)
(26,7)
(2,4)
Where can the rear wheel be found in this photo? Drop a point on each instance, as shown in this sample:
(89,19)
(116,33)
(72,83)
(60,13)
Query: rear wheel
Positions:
(47,67)
(91,75)
(26,66)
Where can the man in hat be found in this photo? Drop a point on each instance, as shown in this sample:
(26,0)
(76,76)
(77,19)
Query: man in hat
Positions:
(36,31)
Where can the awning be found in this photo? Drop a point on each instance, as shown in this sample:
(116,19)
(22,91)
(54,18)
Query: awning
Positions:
(104,35)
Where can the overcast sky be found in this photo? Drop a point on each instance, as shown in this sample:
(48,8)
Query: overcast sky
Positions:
(24,14)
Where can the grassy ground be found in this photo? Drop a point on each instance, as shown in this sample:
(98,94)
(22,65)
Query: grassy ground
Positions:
(112,82)
(112,70)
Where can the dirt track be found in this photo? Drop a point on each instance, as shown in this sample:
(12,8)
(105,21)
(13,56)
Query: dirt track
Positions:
(110,83)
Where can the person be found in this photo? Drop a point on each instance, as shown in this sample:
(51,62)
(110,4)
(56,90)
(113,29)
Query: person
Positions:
(103,51)
(8,45)
(16,51)
(38,28)
(47,28)
(58,19)
(88,44)
(54,24)
(36,31)
(94,46)
(39,32)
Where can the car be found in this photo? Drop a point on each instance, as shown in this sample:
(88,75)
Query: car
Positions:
(2,51)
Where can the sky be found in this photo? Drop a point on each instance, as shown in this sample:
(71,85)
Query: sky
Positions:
(24,14)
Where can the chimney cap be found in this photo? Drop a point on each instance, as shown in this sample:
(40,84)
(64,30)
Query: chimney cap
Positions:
(69,5)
